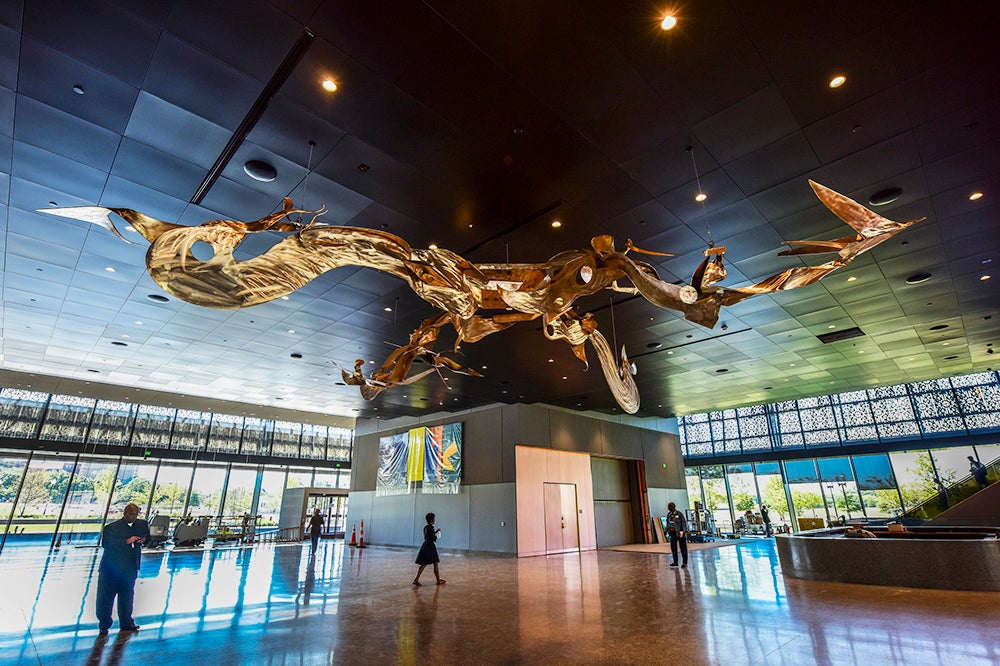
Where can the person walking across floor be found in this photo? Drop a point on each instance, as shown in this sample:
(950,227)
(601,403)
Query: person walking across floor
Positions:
(677,530)
(428,553)
(315,528)
(122,543)
(978,470)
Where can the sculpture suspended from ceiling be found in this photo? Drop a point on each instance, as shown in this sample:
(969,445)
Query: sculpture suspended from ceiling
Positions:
(475,299)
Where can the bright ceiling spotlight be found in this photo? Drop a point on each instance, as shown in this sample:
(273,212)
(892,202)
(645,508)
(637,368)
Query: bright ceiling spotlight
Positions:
(838,81)
(330,85)
(556,224)
(975,196)
(701,196)
(668,22)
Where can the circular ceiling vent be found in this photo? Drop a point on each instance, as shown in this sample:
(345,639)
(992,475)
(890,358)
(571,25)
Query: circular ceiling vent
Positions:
(917,278)
(886,196)
(939,327)
(157,298)
(261,171)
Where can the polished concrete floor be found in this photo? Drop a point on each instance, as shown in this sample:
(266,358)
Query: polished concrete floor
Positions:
(275,605)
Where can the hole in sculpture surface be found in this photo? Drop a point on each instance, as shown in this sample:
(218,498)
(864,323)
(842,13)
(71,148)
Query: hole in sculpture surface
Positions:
(202,251)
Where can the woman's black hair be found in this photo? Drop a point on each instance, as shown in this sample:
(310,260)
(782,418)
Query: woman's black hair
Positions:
(430,518)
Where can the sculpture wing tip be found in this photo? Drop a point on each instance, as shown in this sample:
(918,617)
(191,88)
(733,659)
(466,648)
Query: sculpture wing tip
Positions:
(98,215)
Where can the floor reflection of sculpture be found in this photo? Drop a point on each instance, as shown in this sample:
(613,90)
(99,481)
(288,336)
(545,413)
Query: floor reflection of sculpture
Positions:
(475,299)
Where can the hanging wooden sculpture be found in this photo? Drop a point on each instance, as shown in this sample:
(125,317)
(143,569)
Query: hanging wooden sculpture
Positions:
(475,299)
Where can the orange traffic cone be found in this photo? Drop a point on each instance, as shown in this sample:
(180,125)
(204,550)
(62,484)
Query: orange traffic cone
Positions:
(361,544)
(354,536)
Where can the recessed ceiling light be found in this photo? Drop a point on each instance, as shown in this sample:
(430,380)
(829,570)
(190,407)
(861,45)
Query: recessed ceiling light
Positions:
(556,224)
(260,171)
(654,345)
(669,22)
(886,196)
(138,323)
(852,278)
(78,89)
(670,353)
(157,298)
(284,298)
(109,269)
(432,246)
(701,196)
(832,326)
(838,81)
(565,377)
(917,278)
(939,327)
(984,278)
(330,85)
(291,331)
(861,351)
(387,309)
(975,196)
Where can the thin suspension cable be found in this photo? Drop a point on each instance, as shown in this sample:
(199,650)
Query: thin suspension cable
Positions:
(614,329)
(704,212)
(305,182)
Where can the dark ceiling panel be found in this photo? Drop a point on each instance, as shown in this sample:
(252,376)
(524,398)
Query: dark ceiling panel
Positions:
(472,127)
(102,34)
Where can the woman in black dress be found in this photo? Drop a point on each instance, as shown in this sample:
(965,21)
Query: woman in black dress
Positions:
(428,551)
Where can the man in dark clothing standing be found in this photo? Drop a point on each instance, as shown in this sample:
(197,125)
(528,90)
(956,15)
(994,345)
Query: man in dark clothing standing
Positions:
(122,542)
(315,528)
(766,517)
(978,470)
(677,530)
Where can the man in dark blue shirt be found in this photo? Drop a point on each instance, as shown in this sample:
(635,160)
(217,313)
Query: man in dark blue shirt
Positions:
(677,531)
(122,542)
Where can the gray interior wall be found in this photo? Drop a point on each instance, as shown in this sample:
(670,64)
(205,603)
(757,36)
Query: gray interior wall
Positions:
(481,517)
(612,501)
(472,519)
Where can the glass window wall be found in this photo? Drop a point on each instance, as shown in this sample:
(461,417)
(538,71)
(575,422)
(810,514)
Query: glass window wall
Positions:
(190,430)
(931,409)
(111,424)
(21,412)
(67,418)
(88,498)
(170,494)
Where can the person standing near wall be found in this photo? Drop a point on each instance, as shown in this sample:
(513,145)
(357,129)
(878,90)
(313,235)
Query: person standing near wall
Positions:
(428,553)
(122,542)
(315,528)
(677,530)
